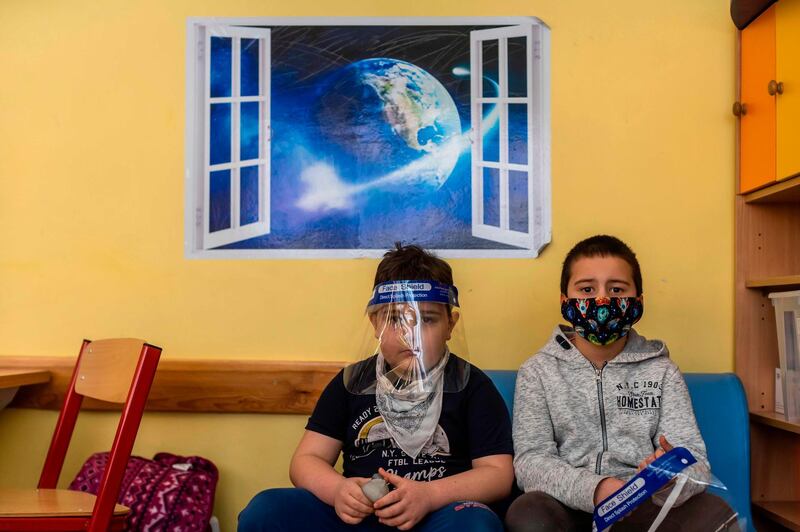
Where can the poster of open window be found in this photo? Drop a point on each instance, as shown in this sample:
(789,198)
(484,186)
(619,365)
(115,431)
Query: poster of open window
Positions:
(336,137)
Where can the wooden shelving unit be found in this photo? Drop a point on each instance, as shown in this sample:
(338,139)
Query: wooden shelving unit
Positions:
(767,249)
(767,260)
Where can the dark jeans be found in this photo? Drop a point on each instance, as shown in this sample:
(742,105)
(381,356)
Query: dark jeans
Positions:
(290,509)
(538,512)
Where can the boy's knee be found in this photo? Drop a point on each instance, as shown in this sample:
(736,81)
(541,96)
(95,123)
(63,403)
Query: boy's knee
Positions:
(469,516)
(536,512)
(267,510)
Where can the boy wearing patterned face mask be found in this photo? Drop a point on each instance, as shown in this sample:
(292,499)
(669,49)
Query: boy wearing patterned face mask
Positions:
(598,403)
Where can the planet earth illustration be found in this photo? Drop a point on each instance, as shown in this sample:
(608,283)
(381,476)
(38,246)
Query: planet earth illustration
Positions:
(378,115)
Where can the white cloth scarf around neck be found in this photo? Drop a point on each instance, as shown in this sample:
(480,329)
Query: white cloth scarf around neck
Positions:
(411,414)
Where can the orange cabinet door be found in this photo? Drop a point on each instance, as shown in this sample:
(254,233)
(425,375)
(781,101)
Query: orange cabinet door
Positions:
(758,130)
(788,84)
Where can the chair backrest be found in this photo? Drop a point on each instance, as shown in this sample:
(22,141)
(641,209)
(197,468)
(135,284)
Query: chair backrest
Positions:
(720,407)
(115,370)
(107,367)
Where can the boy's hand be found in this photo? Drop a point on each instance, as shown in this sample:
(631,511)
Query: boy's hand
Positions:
(350,503)
(605,488)
(665,447)
(406,505)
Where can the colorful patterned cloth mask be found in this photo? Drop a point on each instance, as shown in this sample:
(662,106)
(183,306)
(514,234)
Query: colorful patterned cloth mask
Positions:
(602,320)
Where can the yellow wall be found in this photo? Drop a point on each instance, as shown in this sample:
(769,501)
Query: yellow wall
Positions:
(91,207)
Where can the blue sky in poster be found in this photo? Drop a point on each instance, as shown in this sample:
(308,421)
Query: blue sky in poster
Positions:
(369,138)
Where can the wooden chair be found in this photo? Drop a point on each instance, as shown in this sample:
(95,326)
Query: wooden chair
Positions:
(118,370)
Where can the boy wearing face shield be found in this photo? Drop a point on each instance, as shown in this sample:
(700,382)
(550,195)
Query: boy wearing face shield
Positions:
(598,403)
(411,409)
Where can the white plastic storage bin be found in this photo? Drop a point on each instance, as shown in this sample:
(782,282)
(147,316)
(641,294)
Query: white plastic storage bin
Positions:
(787,319)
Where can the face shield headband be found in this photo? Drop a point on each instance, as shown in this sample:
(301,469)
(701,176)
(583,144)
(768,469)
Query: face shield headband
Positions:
(413,291)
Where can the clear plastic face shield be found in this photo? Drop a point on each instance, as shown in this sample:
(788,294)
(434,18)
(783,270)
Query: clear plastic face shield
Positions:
(413,340)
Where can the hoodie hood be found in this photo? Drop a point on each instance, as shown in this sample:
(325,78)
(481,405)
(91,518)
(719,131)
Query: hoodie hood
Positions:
(637,348)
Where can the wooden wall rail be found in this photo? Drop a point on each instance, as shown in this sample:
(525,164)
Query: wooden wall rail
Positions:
(255,386)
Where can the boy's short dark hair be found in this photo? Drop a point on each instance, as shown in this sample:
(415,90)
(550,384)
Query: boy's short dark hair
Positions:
(601,246)
(405,263)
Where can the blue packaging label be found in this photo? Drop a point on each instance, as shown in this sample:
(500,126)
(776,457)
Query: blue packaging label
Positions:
(406,291)
(642,486)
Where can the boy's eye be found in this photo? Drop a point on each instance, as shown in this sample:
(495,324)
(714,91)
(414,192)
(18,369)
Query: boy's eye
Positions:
(396,319)
(586,289)
(616,290)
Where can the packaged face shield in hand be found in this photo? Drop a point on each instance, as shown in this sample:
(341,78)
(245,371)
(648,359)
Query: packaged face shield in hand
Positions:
(669,481)
(414,350)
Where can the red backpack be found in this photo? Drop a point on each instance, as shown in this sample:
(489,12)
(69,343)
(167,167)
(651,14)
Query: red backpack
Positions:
(167,493)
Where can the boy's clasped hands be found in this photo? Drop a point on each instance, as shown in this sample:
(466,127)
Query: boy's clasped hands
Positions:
(403,507)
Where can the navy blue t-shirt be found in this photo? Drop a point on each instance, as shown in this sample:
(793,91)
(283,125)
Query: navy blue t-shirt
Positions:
(474,423)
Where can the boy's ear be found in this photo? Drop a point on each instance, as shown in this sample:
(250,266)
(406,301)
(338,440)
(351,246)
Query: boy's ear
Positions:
(563,298)
(454,317)
(373,319)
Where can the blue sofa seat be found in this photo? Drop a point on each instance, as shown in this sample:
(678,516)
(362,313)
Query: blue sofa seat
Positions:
(720,407)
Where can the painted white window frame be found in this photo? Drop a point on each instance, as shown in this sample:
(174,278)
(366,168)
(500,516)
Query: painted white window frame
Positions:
(236,232)
(537,168)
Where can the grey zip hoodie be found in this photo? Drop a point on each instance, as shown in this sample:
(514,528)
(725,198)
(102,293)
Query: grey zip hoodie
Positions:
(575,424)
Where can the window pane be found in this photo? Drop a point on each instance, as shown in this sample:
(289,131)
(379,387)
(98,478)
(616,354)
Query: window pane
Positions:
(518,133)
(518,201)
(250,67)
(491,136)
(517,66)
(220,201)
(491,196)
(249,193)
(491,75)
(220,137)
(248,134)
(221,67)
